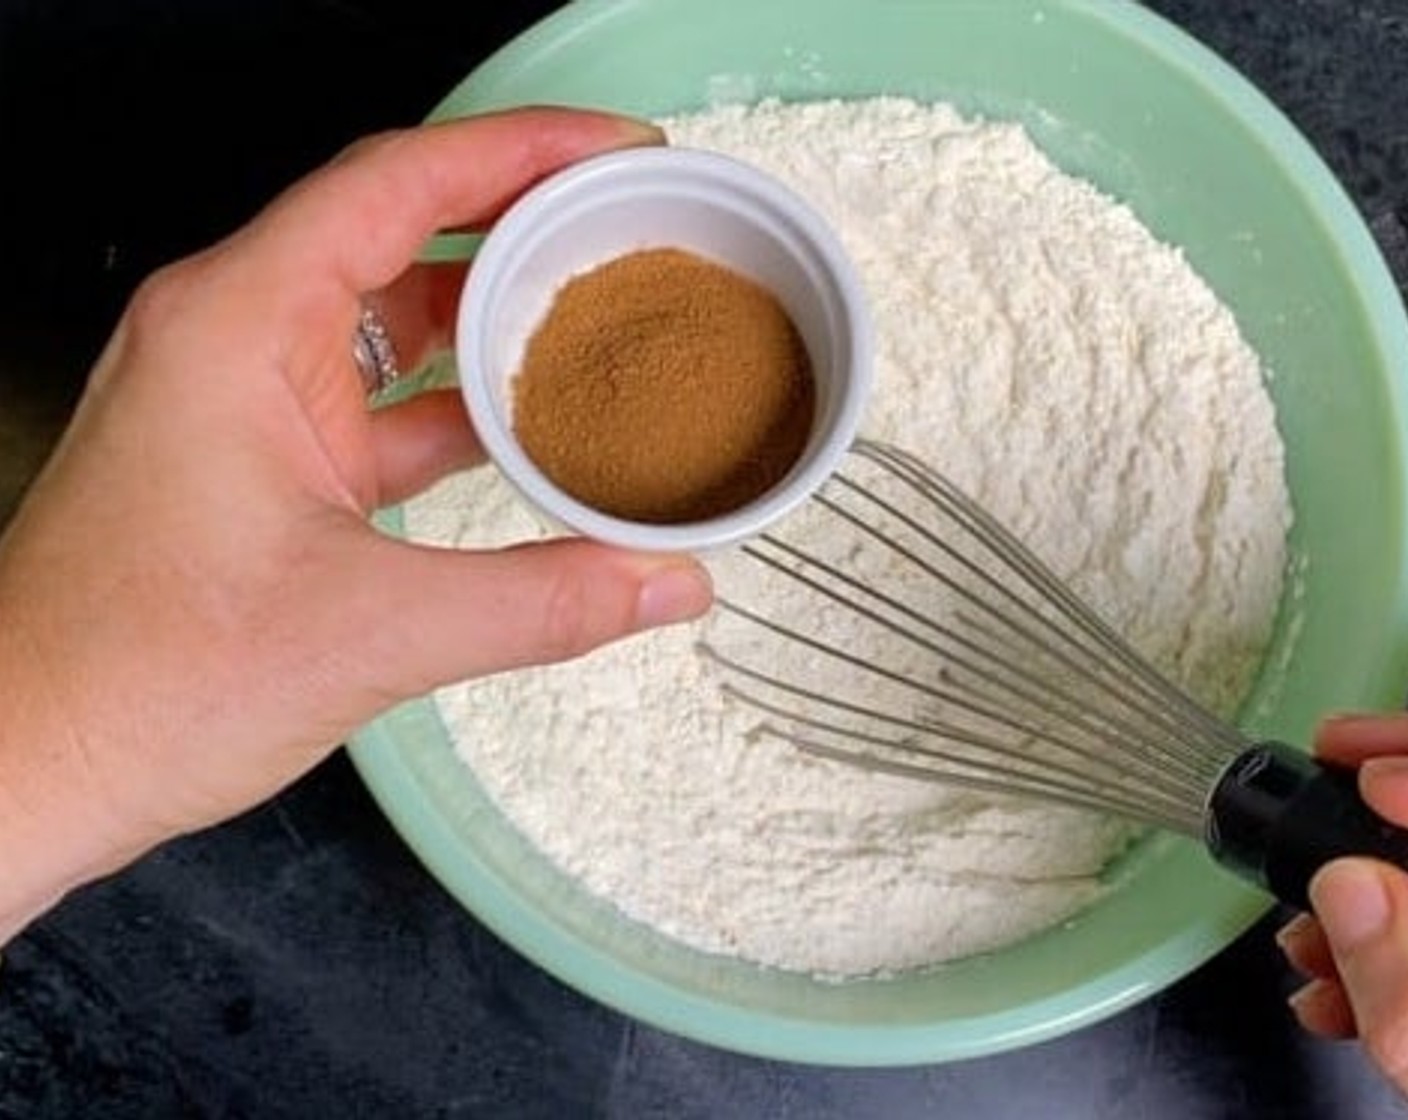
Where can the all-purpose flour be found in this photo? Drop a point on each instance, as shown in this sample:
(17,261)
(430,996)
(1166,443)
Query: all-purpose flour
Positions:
(1042,349)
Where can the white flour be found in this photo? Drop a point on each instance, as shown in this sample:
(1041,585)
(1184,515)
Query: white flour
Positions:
(1043,350)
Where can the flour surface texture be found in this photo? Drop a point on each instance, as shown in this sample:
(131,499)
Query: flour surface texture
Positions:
(1047,353)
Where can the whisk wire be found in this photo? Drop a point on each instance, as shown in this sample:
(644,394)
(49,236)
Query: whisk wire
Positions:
(1135,671)
(1101,656)
(1008,694)
(1006,771)
(1006,679)
(1106,651)
(1006,684)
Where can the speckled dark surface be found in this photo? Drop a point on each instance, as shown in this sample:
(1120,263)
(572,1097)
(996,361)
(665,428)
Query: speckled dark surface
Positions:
(298,962)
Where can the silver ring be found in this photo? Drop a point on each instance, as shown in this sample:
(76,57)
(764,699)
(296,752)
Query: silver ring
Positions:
(374,352)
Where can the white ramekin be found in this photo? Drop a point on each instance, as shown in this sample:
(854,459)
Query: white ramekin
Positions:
(704,203)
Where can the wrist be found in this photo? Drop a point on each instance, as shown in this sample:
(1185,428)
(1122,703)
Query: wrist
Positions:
(56,831)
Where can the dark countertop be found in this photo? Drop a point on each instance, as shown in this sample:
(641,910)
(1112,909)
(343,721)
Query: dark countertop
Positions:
(298,962)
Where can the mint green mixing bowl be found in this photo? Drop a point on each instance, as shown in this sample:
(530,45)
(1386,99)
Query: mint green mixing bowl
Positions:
(1120,97)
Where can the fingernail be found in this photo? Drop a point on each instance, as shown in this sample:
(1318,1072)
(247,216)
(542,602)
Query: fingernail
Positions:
(642,131)
(1294,930)
(1306,995)
(1392,768)
(1350,900)
(1322,1008)
(673,594)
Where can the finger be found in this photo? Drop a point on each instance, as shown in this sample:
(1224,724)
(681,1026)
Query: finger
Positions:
(418,309)
(1322,1008)
(1363,907)
(1350,739)
(452,615)
(397,189)
(1305,946)
(419,441)
(1383,783)
(1378,744)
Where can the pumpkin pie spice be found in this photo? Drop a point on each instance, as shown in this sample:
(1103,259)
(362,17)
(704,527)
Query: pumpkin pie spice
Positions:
(662,387)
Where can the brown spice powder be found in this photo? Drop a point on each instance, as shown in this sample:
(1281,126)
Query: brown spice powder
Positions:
(663,388)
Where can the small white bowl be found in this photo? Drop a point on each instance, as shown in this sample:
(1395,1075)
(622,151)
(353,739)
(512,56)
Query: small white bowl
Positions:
(704,203)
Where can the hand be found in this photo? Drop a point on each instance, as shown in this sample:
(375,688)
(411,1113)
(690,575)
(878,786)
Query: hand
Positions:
(195,608)
(1355,948)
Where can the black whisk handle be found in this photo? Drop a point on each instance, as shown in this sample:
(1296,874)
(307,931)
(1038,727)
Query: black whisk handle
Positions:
(1276,816)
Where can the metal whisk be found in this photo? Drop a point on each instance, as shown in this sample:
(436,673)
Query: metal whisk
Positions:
(893,624)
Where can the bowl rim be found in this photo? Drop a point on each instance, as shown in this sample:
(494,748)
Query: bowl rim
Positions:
(479,888)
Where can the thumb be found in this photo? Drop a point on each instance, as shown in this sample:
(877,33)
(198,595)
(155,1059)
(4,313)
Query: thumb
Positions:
(1363,907)
(449,615)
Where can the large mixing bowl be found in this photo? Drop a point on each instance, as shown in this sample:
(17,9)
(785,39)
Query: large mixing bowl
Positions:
(1115,95)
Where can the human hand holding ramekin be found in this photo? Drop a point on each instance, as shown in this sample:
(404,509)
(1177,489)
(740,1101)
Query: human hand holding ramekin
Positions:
(195,607)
